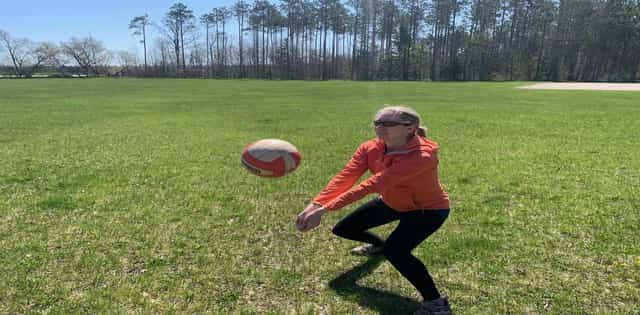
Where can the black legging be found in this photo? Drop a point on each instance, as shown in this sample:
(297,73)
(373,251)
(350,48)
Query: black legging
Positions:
(414,227)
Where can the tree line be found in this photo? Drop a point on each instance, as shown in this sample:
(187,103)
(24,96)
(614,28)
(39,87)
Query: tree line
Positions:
(562,40)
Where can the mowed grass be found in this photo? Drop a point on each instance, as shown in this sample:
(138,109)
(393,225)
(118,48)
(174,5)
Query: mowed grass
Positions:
(127,196)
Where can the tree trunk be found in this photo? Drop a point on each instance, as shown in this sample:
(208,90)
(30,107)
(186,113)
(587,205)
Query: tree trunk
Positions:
(144,45)
(184,66)
(324,46)
(224,50)
(435,45)
(372,57)
(240,33)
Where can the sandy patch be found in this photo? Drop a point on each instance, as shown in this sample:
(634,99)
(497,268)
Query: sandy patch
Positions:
(583,86)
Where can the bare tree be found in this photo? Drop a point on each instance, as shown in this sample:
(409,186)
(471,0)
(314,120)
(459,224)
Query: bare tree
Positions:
(26,56)
(179,20)
(45,54)
(18,49)
(241,9)
(206,20)
(163,51)
(217,18)
(88,53)
(125,61)
(223,15)
(139,25)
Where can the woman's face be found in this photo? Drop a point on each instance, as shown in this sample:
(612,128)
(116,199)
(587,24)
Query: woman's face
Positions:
(390,129)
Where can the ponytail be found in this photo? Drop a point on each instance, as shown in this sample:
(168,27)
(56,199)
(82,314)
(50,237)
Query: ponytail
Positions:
(421,131)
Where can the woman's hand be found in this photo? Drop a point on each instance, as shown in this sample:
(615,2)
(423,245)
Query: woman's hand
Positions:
(310,217)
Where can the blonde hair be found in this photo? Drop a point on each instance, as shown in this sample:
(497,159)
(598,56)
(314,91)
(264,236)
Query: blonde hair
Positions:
(405,114)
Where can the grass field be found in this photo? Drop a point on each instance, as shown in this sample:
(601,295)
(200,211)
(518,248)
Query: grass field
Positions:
(127,196)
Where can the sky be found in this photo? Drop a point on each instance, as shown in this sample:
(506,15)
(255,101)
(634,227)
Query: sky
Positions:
(108,21)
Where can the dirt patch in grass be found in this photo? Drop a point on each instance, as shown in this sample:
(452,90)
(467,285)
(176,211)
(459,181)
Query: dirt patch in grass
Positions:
(583,86)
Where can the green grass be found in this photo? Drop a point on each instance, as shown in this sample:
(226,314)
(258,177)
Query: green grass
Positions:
(127,196)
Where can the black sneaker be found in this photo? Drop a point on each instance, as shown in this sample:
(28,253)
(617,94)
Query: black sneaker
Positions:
(439,306)
(367,250)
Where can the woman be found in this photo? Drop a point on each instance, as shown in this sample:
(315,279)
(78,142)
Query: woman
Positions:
(404,164)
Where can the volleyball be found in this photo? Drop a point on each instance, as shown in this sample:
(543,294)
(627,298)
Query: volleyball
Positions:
(270,157)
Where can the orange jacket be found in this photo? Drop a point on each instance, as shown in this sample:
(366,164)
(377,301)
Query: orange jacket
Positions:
(406,179)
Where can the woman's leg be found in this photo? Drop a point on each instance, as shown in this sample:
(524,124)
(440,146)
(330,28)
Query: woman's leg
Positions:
(414,227)
(371,214)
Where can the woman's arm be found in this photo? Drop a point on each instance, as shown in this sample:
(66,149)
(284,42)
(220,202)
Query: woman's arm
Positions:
(344,180)
(414,165)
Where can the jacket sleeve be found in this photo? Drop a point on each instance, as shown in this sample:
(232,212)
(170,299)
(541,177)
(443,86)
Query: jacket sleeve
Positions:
(344,180)
(414,165)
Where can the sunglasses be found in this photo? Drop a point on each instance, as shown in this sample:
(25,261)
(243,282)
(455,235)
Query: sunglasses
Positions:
(388,123)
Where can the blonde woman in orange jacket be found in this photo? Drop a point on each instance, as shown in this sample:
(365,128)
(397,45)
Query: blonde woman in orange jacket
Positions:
(404,165)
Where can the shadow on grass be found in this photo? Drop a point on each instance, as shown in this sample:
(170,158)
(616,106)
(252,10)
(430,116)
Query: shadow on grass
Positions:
(383,302)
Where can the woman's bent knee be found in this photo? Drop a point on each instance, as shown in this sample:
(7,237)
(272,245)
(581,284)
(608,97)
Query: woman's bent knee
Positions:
(339,231)
(393,253)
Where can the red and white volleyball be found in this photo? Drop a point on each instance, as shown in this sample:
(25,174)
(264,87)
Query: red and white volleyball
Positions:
(270,157)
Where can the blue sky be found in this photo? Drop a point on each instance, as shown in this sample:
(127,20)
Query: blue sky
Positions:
(108,21)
